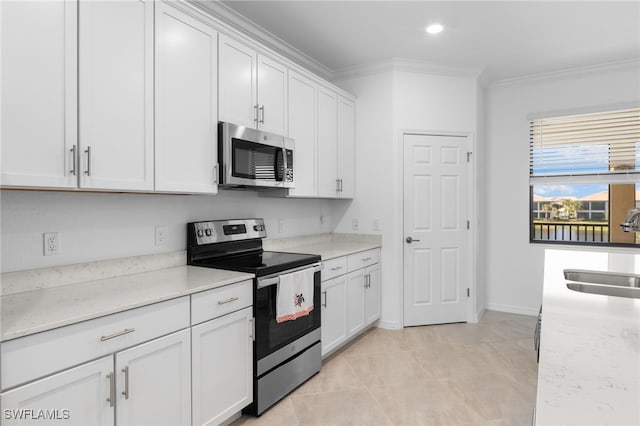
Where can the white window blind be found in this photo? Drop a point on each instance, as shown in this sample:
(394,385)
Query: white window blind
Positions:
(598,147)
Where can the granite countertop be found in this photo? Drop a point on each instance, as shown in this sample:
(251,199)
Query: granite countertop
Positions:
(47,308)
(589,372)
(328,246)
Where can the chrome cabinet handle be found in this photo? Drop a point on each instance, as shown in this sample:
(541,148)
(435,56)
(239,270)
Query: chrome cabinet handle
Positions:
(112,390)
(229,300)
(88,152)
(215,173)
(256,119)
(340,185)
(325,298)
(252,329)
(336,268)
(125,392)
(409,240)
(73,160)
(118,334)
(262,110)
(366,259)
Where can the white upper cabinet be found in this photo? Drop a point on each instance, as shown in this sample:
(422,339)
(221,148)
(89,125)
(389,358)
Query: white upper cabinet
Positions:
(302,128)
(253,88)
(186,103)
(116,94)
(327,143)
(346,145)
(272,96)
(39,93)
(237,80)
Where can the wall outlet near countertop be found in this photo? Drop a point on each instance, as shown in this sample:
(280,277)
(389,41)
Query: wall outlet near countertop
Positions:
(51,243)
(161,235)
(355,224)
(375,224)
(280,226)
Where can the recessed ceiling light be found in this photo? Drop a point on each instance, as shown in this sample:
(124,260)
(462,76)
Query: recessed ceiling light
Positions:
(435,28)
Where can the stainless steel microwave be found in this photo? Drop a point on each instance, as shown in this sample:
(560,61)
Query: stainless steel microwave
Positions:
(252,158)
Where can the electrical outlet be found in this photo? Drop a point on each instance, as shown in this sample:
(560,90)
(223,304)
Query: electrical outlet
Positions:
(356,224)
(161,235)
(375,225)
(280,226)
(51,241)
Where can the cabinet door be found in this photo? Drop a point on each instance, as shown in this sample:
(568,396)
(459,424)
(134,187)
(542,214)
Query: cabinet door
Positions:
(334,313)
(372,293)
(153,382)
(346,142)
(39,107)
(116,94)
(272,96)
(78,396)
(302,128)
(237,82)
(355,302)
(327,142)
(222,359)
(186,103)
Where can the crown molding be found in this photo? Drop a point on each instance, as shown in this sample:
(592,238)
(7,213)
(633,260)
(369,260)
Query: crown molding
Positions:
(404,65)
(569,72)
(249,28)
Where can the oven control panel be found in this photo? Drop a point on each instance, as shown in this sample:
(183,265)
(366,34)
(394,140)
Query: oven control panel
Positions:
(217,231)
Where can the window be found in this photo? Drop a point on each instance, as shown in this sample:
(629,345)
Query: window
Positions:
(584,176)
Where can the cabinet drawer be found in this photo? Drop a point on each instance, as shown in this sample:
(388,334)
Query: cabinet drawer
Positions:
(220,301)
(334,268)
(40,354)
(363,259)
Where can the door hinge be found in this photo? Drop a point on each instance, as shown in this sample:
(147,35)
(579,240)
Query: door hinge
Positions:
(468,225)
(469,153)
(468,292)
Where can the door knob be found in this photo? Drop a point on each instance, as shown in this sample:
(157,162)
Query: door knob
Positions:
(409,240)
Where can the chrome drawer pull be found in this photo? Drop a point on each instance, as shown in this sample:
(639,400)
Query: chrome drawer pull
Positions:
(229,300)
(118,334)
(366,259)
(337,268)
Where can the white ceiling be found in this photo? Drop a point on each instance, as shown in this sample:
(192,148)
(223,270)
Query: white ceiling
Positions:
(506,39)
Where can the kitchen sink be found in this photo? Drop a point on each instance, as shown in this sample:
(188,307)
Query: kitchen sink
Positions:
(605,283)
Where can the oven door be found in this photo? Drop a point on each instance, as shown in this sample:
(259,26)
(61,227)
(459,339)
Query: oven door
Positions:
(271,335)
(254,158)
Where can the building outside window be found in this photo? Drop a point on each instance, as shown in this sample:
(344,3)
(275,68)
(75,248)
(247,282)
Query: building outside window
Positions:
(584,174)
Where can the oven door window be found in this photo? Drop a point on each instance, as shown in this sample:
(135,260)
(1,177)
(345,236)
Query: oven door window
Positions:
(270,335)
(250,160)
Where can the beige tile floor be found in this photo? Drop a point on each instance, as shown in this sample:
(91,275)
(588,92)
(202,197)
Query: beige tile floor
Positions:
(452,374)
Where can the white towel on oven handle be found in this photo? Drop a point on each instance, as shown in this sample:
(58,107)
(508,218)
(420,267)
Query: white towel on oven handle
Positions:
(295,295)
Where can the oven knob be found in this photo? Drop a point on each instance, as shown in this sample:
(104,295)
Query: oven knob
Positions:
(200,233)
(208,232)
(258,227)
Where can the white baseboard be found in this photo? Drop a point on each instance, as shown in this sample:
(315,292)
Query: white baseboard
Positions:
(389,325)
(522,310)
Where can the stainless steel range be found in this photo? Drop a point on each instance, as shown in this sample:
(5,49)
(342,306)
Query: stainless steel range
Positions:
(286,353)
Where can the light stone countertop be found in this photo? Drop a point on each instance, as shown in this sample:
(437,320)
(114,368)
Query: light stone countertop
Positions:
(44,309)
(589,372)
(328,246)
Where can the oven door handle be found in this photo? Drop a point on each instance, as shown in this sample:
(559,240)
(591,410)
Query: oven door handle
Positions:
(272,280)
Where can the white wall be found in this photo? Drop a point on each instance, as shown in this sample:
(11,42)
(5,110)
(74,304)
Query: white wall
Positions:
(98,226)
(388,103)
(514,266)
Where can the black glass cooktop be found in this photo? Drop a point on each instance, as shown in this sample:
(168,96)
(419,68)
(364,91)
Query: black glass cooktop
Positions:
(260,263)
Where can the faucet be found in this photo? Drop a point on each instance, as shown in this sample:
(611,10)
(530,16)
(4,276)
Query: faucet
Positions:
(631,223)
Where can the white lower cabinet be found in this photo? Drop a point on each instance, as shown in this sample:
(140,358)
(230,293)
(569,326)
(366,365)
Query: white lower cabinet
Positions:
(351,297)
(78,396)
(153,385)
(150,385)
(222,356)
(334,313)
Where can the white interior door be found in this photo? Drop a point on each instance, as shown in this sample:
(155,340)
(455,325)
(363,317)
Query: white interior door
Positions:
(436,245)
